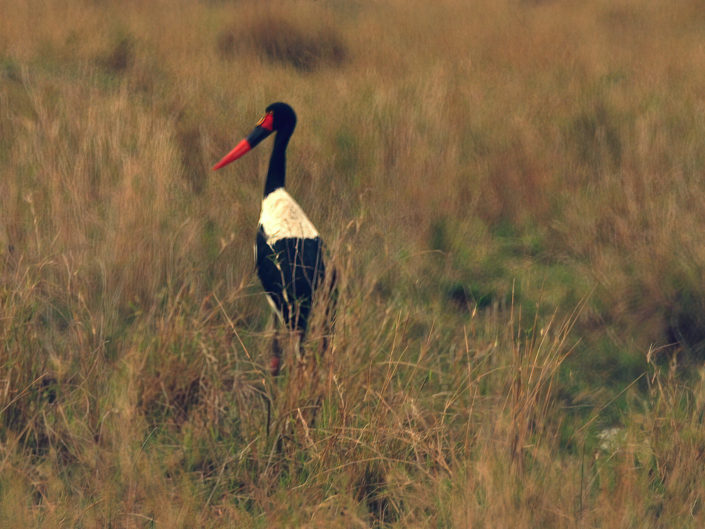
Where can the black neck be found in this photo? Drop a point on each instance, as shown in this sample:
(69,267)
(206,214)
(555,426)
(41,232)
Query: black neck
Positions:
(276,174)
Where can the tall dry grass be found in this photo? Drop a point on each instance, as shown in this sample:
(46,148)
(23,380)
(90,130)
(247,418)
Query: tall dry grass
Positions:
(510,191)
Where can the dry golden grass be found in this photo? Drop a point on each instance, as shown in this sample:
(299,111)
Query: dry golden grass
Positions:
(511,192)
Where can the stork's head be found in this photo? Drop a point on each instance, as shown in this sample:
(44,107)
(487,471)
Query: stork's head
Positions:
(278,117)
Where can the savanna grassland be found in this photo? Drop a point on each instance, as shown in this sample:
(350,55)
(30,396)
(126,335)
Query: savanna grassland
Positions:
(511,191)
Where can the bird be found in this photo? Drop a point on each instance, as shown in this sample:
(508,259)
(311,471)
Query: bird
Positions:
(288,248)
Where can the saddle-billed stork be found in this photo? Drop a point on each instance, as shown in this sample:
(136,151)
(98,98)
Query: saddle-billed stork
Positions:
(289,250)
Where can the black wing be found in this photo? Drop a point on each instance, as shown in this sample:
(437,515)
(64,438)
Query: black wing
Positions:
(290,270)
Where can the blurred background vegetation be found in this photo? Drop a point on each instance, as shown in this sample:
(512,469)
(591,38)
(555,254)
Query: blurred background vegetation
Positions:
(511,190)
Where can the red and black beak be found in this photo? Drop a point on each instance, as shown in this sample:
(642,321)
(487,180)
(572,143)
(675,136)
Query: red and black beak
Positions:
(263,129)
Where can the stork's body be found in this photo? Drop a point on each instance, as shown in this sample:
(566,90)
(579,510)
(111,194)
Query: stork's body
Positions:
(289,250)
(289,258)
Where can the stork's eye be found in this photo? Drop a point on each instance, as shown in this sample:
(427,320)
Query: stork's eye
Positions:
(261,120)
(267,122)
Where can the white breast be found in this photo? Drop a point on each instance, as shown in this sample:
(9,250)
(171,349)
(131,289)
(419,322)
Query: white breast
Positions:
(282,217)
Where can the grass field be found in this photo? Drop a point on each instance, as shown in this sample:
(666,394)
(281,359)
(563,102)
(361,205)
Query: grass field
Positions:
(512,192)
